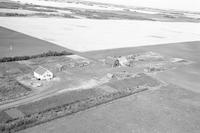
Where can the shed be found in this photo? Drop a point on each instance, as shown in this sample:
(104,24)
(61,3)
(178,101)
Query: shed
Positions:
(42,73)
(123,61)
(112,61)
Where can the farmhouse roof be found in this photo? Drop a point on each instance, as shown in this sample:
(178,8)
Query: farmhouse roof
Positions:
(40,70)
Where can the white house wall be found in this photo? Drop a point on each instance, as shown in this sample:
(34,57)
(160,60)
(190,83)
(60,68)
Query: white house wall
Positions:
(44,76)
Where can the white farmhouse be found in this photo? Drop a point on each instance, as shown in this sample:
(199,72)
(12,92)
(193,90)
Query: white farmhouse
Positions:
(42,73)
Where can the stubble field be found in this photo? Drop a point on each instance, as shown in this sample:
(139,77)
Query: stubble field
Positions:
(87,35)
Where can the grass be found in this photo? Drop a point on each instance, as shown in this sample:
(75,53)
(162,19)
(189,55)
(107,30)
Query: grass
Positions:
(78,95)
(65,109)
(23,45)
(4,117)
(58,100)
(170,109)
(134,82)
(75,101)
(14,113)
(11,89)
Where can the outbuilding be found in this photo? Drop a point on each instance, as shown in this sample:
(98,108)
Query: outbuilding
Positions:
(114,62)
(123,61)
(42,73)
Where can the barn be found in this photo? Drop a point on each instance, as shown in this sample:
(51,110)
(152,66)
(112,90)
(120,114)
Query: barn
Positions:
(112,61)
(42,73)
(123,61)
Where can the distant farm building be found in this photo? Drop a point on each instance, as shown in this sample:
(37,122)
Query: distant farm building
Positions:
(123,61)
(42,73)
(114,62)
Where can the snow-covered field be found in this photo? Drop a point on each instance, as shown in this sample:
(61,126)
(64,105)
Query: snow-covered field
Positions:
(87,35)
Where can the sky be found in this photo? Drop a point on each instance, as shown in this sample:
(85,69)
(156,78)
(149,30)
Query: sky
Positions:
(190,5)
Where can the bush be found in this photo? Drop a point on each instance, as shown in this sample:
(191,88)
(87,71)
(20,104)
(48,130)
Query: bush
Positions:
(49,53)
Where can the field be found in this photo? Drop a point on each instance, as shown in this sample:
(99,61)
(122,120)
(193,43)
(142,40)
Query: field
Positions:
(77,87)
(170,4)
(58,100)
(11,89)
(102,34)
(37,113)
(129,83)
(69,75)
(17,44)
(91,10)
(141,87)
(79,83)
(81,94)
(171,108)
